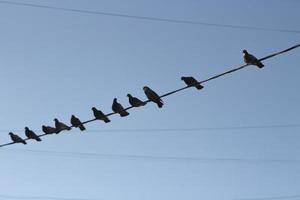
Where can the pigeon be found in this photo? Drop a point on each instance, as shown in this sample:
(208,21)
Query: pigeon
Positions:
(60,126)
(16,138)
(252,60)
(100,115)
(135,102)
(191,81)
(31,135)
(118,108)
(77,123)
(152,96)
(49,129)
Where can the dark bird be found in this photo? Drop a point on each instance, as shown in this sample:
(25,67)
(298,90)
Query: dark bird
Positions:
(49,129)
(100,115)
(16,138)
(152,96)
(77,123)
(118,108)
(31,135)
(191,81)
(252,60)
(60,126)
(135,102)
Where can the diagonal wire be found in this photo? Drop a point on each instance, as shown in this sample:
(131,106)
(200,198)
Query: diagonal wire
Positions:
(140,130)
(157,19)
(186,87)
(41,197)
(154,157)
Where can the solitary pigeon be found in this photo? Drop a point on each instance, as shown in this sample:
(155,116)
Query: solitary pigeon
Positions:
(60,126)
(191,81)
(16,138)
(118,108)
(77,123)
(100,115)
(49,129)
(31,135)
(252,60)
(135,102)
(152,96)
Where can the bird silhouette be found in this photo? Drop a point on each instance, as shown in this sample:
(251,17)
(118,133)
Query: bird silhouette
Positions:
(191,81)
(31,135)
(251,60)
(49,129)
(77,123)
(60,126)
(152,96)
(118,108)
(16,139)
(135,102)
(98,114)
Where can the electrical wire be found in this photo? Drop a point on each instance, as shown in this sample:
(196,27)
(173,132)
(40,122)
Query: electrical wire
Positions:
(151,130)
(42,197)
(151,157)
(157,19)
(186,87)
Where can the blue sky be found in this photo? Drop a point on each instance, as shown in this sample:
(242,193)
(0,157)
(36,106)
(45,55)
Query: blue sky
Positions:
(55,64)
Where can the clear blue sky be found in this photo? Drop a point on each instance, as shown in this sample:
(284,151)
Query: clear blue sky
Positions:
(54,64)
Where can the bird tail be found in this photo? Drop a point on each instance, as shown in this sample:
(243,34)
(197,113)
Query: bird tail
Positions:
(160,104)
(199,87)
(260,65)
(106,120)
(81,127)
(124,113)
(38,139)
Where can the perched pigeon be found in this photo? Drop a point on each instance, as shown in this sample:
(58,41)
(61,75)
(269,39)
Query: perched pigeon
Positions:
(77,123)
(16,138)
(49,129)
(100,115)
(118,108)
(152,96)
(252,60)
(135,102)
(191,81)
(31,135)
(60,126)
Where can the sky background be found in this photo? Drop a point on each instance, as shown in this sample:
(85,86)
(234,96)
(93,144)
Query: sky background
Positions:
(55,64)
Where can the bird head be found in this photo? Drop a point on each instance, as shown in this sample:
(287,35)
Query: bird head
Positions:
(56,120)
(183,77)
(245,51)
(129,95)
(145,88)
(93,108)
(10,133)
(26,128)
(115,99)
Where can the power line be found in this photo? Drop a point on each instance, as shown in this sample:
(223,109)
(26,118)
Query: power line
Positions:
(143,130)
(186,87)
(151,157)
(157,19)
(42,197)
(271,198)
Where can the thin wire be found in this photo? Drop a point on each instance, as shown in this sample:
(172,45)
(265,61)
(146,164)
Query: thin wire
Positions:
(152,157)
(271,198)
(159,19)
(140,130)
(184,88)
(42,197)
